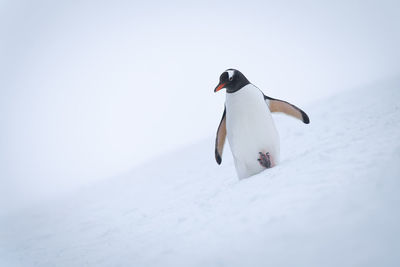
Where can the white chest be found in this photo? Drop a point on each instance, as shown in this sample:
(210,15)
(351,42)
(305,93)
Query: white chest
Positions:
(250,129)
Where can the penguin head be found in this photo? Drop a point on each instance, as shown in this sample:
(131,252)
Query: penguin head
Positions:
(232,80)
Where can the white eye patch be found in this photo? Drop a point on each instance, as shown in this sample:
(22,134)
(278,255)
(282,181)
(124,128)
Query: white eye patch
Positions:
(230,73)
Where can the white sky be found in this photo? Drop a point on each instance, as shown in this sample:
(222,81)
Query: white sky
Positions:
(89,90)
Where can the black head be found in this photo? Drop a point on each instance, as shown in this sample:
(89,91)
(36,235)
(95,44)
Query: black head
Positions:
(233,80)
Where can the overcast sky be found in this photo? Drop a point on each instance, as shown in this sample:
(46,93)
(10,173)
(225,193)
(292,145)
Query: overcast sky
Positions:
(90,89)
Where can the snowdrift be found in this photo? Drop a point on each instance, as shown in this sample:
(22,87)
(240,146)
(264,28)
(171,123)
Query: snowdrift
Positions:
(332,201)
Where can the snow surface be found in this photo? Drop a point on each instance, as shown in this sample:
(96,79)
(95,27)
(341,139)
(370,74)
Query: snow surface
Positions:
(332,201)
(77,77)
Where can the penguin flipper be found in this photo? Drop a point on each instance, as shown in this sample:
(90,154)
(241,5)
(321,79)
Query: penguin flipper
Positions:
(220,139)
(276,105)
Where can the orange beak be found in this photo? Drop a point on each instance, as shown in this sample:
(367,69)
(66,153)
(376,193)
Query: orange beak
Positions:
(219,87)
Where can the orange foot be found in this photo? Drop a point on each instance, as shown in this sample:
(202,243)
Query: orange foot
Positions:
(265,160)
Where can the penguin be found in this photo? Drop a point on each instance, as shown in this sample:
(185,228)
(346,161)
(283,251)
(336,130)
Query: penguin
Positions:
(249,126)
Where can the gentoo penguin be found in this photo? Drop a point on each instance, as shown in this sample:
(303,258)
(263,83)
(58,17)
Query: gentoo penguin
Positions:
(248,123)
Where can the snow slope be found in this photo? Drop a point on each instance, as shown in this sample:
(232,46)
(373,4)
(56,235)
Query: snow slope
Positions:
(333,201)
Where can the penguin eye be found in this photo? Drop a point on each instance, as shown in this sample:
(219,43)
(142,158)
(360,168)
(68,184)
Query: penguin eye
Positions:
(230,78)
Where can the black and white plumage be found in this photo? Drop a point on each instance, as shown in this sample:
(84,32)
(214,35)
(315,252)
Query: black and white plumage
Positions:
(248,124)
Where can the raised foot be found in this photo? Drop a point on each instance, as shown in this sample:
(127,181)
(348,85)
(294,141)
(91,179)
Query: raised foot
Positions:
(265,160)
